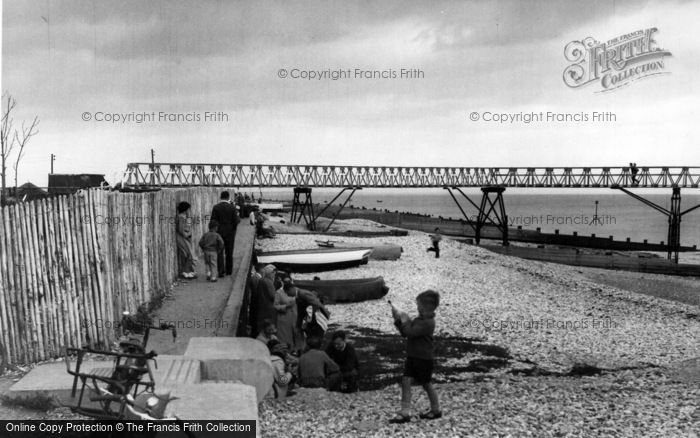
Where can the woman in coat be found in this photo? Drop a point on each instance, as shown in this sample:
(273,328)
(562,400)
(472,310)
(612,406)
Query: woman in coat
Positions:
(286,306)
(183,241)
(265,298)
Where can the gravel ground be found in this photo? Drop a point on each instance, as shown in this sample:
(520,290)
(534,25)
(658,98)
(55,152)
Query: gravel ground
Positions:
(629,404)
(552,319)
(543,313)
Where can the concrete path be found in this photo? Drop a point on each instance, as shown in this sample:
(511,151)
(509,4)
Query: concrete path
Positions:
(196,307)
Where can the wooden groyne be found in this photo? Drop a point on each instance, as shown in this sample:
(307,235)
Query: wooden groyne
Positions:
(455,227)
(573,257)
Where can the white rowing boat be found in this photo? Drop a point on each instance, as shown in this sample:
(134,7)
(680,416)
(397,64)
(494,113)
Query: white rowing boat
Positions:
(317,259)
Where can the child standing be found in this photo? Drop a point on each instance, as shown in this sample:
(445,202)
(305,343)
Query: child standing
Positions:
(213,246)
(435,239)
(419,354)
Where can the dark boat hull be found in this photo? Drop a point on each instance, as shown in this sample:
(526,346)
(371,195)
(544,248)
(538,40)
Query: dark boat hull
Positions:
(346,291)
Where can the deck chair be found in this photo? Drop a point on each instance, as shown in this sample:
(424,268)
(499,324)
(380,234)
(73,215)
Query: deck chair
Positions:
(130,373)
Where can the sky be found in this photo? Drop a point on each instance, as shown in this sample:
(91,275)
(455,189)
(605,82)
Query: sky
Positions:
(67,61)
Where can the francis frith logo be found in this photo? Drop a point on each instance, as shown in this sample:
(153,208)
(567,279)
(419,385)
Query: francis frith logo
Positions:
(616,62)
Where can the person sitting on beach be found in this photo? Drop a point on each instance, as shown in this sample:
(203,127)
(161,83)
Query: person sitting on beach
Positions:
(268,333)
(435,239)
(419,354)
(345,356)
(316,369)
(212,246)
(283,377)
(263,227)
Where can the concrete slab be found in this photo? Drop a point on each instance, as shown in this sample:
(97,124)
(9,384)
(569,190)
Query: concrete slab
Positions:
(234,359)
(51,379)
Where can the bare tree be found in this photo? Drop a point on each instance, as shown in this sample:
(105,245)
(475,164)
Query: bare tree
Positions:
(11,138)
(21,139)
(7,140)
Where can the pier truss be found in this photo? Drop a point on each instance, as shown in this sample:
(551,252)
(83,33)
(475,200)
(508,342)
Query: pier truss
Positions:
(492,180)
(264,175)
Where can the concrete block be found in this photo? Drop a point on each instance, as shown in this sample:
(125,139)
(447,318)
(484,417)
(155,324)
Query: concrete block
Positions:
(234,359)
(176,370)
(214,401)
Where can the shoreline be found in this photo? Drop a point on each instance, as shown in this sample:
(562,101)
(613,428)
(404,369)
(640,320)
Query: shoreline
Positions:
(460,227)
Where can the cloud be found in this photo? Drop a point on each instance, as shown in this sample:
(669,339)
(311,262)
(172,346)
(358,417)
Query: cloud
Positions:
(182,56)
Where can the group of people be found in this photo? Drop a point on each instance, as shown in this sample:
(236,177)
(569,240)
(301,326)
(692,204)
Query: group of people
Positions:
(216,244)
(292,323)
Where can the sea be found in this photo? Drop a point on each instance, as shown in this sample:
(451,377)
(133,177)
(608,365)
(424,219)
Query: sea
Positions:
(602,212)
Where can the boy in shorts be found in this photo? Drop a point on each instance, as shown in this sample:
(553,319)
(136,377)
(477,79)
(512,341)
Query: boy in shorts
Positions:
(419,354)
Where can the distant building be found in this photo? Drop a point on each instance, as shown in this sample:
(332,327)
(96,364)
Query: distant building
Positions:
(29,192)
(65,184)
(25,192)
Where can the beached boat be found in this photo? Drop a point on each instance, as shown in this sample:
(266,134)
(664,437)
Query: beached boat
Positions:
(317,259)
(346,291)
(384,251)
(355,233)
(269,206)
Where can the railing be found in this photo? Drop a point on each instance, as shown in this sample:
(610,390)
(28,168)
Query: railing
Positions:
(264,175)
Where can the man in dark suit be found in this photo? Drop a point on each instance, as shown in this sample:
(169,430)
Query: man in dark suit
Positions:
(225,214)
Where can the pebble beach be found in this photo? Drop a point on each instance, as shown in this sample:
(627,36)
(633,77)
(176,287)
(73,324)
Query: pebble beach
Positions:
(552,320)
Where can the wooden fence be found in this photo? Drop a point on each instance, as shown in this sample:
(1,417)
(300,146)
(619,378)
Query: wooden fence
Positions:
(70,265)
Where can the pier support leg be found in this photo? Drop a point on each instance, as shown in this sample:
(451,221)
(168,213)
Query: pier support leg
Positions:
(303,209)
(674,225)
(337,213)
(491,211)
(466,218)
(495,206)
(674,219)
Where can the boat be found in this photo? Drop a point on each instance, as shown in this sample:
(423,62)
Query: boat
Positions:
(353,233)
(362,233)
(263,207)
(346,291)
(317,259)
(384,251)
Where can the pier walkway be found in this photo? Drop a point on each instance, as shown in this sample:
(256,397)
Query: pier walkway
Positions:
(278,175)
